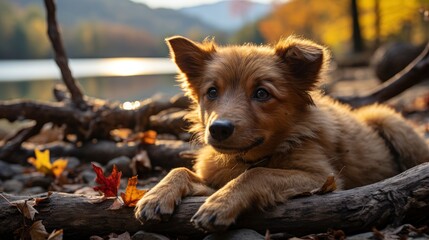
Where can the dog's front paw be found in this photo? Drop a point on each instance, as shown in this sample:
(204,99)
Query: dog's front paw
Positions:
(214,217)
(156,206)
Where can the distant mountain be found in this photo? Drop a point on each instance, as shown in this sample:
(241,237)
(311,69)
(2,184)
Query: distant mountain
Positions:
(228,15)
(161,22)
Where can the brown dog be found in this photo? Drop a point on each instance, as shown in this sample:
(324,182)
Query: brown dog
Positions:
(268,135)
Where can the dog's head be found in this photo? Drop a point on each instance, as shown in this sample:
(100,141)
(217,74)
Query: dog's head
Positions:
(247,97)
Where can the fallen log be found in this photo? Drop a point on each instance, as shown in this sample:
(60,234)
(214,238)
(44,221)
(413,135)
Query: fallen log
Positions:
(394,201)
(166,154)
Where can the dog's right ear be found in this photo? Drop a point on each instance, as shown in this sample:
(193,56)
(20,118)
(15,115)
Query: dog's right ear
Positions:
(190,56)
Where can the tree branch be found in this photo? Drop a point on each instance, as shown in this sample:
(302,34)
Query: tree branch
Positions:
(414,73)
(61,57)
(400,199)
(14,143)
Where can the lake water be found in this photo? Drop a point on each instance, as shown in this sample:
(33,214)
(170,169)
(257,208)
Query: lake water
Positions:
(111,78)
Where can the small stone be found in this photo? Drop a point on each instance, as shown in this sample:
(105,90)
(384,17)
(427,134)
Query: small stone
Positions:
(6,172)
(142,235)
(238,234)
(13,186)
(122,163)
(247,234)
(72,162)
(34,179)
(17,168)
(88,176)
(362,236)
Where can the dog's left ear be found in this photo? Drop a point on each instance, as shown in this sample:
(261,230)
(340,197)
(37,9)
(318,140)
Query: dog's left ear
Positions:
(303,59)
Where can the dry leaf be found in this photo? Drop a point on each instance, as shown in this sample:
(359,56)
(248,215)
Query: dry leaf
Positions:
(123,236)
(140,162)
(328,186)
(148,137)
(38,231)
(108,185)
(26,207)
(56,235)
(132,195)
(121,133)
(117,204)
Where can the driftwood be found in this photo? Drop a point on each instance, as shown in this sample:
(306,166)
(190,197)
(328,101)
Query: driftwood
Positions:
(400,199)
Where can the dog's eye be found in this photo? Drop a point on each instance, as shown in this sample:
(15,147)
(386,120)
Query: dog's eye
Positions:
(212,93)
(261,95)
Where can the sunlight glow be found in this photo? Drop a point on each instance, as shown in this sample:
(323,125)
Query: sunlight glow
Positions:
(131,105)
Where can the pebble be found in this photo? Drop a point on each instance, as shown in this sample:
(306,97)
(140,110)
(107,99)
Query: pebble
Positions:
(142,235)
(238,234)
(72,162)
(89,176)
(13,186)
(123,165)
(34,179)
(6,172)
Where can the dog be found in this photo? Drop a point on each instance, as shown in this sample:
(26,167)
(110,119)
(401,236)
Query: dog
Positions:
(268,135)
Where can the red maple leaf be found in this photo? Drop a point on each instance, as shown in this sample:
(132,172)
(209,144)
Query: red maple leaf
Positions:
(108,185)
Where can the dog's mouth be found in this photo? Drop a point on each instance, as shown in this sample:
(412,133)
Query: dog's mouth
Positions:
(233,149)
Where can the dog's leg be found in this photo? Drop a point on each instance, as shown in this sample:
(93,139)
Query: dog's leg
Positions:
(255,188)
(158,204)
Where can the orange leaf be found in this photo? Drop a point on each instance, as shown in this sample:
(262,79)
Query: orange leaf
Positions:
(132,195)
(328,186)
(148,137)
(108,185)
(58,166)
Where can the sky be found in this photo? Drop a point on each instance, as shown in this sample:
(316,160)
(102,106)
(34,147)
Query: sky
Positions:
(183,3)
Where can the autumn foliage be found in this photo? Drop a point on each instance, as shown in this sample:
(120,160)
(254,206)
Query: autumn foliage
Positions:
(329,22)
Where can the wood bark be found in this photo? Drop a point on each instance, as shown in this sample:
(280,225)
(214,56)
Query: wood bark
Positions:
(400,199)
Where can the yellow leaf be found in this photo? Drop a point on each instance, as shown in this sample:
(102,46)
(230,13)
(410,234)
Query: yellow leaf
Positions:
(41,162)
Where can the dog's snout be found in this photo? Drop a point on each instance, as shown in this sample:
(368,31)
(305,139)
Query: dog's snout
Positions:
(221,129)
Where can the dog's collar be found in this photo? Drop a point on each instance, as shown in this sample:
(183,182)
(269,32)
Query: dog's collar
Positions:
(261,162)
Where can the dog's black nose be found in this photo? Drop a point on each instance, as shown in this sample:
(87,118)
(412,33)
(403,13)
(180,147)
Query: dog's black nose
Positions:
(221,129)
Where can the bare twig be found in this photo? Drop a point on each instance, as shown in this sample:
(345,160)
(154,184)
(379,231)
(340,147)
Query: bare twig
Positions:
(61,57)
(14,143)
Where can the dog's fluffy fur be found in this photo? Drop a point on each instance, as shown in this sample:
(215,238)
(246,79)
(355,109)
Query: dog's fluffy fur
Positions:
(286,138)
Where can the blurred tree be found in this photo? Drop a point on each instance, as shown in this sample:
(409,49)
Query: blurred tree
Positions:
(358,45)
(248,33)
(330,21)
